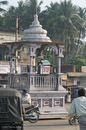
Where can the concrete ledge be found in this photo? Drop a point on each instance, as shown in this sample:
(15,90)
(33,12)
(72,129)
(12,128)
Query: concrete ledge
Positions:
(51,116)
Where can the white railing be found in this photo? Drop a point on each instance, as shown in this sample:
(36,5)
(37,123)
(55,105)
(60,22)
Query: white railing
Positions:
(33,81)
(44,82)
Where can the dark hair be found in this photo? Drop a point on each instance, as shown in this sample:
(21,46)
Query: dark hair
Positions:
(81,92)
(24,91)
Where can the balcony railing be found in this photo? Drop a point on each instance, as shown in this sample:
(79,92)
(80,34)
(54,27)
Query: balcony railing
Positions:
(33,81)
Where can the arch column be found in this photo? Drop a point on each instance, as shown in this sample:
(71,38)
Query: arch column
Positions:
(31,51)
(31,60)
(12,56)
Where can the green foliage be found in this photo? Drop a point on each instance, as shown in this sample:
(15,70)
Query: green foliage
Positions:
(3,2)
(78,61)
(24,12)
(63,21)
(47,54)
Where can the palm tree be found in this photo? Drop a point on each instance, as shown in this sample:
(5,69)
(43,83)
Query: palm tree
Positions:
(63,23)
(24,12)
(3,2)
(48,19)
(82,29)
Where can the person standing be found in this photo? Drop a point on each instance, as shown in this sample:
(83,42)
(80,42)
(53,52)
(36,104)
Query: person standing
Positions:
(69,95)
(78,109)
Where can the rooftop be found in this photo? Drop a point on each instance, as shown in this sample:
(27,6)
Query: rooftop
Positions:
(76,74)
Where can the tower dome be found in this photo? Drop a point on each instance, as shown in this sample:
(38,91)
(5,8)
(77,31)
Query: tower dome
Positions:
(35,32)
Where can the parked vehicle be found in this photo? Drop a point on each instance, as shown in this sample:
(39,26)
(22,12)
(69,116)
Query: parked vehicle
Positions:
(32,114)
(11,117)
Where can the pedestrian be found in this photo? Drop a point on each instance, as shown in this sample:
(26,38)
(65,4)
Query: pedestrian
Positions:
(69,95)
(78,109)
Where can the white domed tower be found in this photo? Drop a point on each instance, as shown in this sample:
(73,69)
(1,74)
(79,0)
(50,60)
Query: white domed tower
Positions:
(35,32)
(45,89)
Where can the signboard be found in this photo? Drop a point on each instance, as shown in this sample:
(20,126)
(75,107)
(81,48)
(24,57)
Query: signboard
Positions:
(64,76)
(4,69)
(45,69)
(45,62)
(83,69)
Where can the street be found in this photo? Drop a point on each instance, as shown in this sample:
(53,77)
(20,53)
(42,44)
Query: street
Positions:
(51,124)
(54,124)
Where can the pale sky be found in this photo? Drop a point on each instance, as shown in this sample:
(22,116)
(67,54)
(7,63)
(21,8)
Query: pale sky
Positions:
(81,3)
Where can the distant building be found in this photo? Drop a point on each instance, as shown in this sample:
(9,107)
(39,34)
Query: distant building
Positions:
(77,78)
(8,37)
(72,78)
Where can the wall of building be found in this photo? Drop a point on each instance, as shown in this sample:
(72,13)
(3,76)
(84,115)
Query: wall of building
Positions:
(8,37)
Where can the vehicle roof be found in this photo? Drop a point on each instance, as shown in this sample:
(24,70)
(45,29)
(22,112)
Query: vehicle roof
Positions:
(9,92)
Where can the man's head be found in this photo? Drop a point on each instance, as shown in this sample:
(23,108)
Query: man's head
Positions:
(24,92)
(81,92)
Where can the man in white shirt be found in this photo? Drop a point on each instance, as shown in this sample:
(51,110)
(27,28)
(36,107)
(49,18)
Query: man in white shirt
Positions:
(26,100)
(78,109)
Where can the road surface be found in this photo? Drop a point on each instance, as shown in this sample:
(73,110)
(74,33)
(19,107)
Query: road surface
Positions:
(54,124)
(51,124)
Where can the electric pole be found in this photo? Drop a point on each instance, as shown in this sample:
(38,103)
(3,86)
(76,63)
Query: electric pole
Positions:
(16,40)
(16,36)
